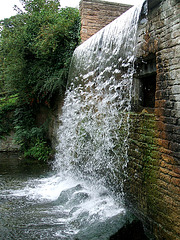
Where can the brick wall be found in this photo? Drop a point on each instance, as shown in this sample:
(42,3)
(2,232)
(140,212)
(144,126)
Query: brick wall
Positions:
(95,14)
(153,186)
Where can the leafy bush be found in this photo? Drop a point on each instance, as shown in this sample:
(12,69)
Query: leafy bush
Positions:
(7,107)
(35,53)
(28,135)
(36,49)
(39,151)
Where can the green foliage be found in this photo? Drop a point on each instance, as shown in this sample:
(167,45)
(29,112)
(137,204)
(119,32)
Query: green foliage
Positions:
(40,151)
(36,47)
(7,106)
(8,101)
(32,138)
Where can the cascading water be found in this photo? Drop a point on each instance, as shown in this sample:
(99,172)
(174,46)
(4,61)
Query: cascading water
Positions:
(80,200)
(94,131)
(93,136)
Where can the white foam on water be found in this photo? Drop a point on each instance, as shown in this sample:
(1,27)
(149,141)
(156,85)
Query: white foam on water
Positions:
(93,137)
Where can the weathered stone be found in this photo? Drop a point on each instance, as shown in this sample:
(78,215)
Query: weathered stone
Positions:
(7,144)
(97,14)
(175,181)
(162,26)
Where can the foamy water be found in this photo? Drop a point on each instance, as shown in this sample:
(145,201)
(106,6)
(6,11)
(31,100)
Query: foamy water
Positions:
(83,197)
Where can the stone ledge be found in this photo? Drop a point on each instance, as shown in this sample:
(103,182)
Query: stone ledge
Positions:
(96,14)
(106,3)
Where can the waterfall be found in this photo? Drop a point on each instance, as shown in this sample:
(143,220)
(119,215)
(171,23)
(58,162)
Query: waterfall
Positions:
(93,136)
(83,197)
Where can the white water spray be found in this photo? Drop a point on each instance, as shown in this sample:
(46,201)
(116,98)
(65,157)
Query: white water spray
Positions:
(93,137)
(78,201)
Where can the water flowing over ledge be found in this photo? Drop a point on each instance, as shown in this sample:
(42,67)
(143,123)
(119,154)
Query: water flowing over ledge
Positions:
(78,199)
(95,121)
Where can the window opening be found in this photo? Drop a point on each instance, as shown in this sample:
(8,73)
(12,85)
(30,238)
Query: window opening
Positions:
(144,86)
(147,91)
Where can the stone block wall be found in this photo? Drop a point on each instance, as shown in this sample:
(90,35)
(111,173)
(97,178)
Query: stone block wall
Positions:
(7,144)
(45,114)
(152,188)
(96,14)
(153,184)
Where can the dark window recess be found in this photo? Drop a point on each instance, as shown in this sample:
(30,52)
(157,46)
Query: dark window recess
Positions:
(144,84)
(153,3)
(147,91)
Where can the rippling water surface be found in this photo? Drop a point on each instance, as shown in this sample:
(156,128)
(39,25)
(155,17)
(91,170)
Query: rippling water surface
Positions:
(53,206)
(78,199)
